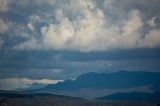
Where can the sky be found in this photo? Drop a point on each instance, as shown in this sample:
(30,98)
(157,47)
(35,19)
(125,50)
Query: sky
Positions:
(45,41)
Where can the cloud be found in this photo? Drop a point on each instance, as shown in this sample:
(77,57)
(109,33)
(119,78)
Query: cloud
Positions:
(93,33)
(14,83)
(106,3)
(151,22)
(33,19)
(61,32)
(1,43)
(85,26)
(134,23)
(32,44)
(152,39)
(4,26)
(4,5)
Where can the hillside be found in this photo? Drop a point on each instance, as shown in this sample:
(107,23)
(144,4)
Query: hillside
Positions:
(13,99)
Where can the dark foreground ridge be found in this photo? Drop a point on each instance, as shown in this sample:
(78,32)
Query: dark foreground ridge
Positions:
(41,99)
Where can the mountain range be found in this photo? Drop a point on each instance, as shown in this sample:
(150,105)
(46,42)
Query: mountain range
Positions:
(92,85)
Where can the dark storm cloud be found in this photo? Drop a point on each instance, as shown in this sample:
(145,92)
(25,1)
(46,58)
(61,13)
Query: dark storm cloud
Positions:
(64,59)
(113,55)
(63,64)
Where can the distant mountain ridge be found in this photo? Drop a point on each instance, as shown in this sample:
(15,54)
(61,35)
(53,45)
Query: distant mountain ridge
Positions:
(92,85)
(122,79)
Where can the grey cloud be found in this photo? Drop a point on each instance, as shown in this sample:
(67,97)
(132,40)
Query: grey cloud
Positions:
(73,36)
